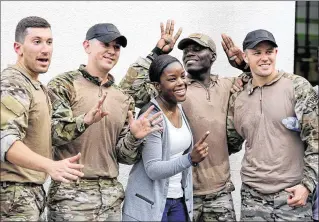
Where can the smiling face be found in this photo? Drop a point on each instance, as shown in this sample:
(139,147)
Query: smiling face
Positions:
(197,59)
(262,59)
(36,50)
(172,84)
(103,56)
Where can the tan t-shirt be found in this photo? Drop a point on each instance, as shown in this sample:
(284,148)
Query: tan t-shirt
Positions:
(103,144)
(206,109)
(276,157)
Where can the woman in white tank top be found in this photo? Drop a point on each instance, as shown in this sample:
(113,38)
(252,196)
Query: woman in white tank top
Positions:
(160,185)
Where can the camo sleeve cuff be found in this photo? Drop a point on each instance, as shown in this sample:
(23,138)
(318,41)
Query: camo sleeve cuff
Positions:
(144,62)
(6,143)
(309,184)
(132,142)
(80,125)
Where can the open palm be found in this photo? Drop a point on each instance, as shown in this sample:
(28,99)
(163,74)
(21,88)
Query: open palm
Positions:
(234,53)
(167,41)
(146,124)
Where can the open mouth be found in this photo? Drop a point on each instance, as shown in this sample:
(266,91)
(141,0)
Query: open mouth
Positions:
(44,61)
(180,92)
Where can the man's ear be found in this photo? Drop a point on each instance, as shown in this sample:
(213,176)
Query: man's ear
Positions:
(18,48)
(86,46)
(245,57)
(214,57)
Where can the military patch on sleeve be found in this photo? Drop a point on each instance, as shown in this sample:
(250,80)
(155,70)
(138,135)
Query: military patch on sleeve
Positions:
(10,110)
(13,105)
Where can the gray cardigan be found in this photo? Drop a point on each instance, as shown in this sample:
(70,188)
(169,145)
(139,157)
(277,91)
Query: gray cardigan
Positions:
(146,191)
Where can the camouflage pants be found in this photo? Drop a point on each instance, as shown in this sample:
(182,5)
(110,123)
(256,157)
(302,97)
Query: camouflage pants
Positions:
(85,200)
(271,207)
(214,207)
(21,202)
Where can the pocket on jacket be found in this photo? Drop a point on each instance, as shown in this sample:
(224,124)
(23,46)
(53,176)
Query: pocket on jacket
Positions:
(144,198)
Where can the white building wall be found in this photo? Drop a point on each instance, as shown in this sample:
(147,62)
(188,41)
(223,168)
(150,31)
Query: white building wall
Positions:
(139,22)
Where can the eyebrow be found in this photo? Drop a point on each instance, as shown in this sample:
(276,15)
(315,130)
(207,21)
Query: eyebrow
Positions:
(39,37)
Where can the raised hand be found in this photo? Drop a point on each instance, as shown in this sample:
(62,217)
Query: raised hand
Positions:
(65,170)
(167,41)
(96,113)
(234,53)
(200,149)
(146,124)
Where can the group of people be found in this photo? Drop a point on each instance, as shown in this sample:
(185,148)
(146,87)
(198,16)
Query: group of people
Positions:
(79,127)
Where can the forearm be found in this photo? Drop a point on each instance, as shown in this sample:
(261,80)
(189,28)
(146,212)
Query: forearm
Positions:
(21,155)
(234,143)
(234,139)
(159,169)
(128,148)
(67,129)
(136,82)
(310,176)
(306,110)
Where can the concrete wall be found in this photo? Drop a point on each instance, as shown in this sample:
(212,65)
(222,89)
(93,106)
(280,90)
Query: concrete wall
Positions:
(139,22)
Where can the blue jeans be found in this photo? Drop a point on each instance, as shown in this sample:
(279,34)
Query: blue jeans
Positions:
(175,210)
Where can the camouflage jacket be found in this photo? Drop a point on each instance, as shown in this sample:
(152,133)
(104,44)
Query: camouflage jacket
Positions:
(73,94)
(256,114)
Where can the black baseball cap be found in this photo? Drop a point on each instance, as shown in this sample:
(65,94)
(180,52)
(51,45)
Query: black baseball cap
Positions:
(257,36)
(106,32)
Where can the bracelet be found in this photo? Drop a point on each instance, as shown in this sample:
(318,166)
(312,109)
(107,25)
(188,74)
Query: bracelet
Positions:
(190,160)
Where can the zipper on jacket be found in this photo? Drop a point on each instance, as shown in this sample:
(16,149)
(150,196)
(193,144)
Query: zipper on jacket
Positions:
(207,90)
(207,94)
(100,90)
(260,99)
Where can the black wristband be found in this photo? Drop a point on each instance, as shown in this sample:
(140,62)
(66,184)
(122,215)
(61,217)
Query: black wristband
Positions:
(157,51)
(244,67)
(154,53)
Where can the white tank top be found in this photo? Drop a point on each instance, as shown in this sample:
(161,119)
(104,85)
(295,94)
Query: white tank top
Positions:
(180,139)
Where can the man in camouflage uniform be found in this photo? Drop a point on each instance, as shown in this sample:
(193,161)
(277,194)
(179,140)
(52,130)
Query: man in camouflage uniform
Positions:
(26,126)
(101,127)
(206,109)
(280,166)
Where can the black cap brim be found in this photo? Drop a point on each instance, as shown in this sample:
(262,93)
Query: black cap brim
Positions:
(253,44)
(187,41)
(111,37)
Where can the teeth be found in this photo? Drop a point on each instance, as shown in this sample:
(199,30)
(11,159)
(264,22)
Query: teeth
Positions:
(180,91)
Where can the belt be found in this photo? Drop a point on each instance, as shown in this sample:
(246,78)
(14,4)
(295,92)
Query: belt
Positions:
(6,184)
